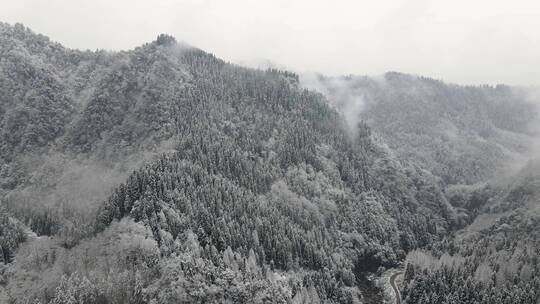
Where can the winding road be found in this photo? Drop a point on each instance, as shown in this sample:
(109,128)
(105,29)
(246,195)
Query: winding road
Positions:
(394,286)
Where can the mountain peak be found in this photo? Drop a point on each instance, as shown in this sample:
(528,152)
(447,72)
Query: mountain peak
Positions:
(165,39)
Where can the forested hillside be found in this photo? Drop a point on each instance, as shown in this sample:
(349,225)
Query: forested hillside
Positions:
(463,134)
(495,260)
(166,175)
(475,139)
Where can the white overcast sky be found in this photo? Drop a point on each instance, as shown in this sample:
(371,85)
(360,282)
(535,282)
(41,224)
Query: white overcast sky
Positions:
(462,41)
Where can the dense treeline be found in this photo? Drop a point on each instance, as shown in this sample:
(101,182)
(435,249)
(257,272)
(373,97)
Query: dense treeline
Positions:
(463,134)
(472,138)
(254,190)
(500,265)
(495,260)
(166,175)
(11,235)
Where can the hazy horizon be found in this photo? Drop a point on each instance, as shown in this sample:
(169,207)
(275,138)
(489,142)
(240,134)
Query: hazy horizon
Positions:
(485,42)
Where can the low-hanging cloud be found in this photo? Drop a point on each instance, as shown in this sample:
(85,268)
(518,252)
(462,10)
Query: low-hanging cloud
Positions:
(533,97)
(520,160)
(340,95)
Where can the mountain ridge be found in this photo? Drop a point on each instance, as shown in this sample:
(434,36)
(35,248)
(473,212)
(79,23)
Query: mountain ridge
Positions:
(165,174)
(231,170)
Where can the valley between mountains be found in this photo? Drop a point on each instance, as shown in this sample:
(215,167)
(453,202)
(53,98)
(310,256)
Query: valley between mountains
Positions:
(164,174)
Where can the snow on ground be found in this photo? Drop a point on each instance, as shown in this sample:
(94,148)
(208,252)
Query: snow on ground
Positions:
(383,282)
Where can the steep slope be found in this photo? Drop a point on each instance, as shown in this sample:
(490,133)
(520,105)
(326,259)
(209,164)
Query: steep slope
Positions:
(238,185)
(74,124)
(495,260)
(463,134)
(474,138)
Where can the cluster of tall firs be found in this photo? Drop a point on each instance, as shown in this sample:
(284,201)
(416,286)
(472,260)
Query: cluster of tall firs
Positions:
(264,195)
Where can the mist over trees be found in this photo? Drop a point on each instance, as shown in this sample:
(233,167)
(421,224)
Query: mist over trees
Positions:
(476,140)
(254,174)
(163,174)
(463,134)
